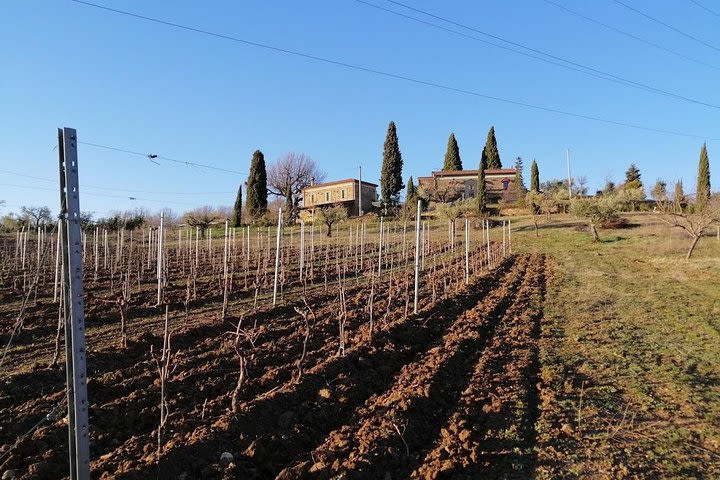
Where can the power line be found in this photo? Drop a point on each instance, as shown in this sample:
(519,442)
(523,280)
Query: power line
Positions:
(152,156)
(83,185)
(393,75)
(705,8)
(504,47)
(34,187)
(587,70)
(630,35)
(676,30)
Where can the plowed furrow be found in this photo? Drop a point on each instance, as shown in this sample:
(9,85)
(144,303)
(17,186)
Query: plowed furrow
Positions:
(273,429)
(491,432)
(386,432)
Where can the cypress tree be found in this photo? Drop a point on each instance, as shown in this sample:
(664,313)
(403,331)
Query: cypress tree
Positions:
(410,193)
(480,199)
(534,177)
(703,179)
(256,201)
(452,155)
(490,154)
(391,175)
(519,179)
(237,208)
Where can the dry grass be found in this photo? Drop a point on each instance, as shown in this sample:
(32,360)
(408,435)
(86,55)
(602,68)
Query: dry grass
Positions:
(636,328)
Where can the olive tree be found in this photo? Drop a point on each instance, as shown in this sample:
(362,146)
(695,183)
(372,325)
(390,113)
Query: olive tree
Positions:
(330,216)
(596,211)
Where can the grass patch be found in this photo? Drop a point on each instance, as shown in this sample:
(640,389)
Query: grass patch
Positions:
(632,329)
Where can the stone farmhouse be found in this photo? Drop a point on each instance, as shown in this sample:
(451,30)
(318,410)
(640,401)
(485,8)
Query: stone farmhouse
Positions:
(347,193)
(449,185)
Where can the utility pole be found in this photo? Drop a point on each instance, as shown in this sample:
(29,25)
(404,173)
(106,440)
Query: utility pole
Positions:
(569,177)
(78,425)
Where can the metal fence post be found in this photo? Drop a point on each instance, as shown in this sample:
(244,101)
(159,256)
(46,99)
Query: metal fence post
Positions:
(78,425)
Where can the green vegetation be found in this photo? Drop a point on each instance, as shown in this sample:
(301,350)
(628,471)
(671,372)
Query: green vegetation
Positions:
(330,216)
(257,193)
(491,155)
(452,155)
(391,175)
(596,211)
(632,177)
(703,180)
(480,199)
(534,177)
(237,208)
(410,192)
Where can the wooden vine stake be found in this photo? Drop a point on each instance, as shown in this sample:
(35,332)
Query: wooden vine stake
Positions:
(467,251)
(225,273)
(417,257)
(277,256)
(159,258)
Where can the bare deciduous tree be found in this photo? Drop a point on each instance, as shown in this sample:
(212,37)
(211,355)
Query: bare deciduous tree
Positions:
(289,175)
(692,219)
(40,215)
(202,217)
(442,192)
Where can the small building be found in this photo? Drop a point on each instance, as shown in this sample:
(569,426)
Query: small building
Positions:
(347,193)
(449,185)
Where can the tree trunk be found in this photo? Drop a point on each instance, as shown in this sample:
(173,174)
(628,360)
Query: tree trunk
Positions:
(595,235)
(329,230)
(696,239)
(535,224)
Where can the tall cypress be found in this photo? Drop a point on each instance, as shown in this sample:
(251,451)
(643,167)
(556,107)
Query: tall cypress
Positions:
(410,192)
(237,208)
(480,199)
(534,177)
(391,175)
(452,155)
(256,202)
(519,178)
(703,178)
(491,155)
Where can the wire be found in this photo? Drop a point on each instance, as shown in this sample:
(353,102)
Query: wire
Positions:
(82,185)
(47,418)
(393,75)
(20,318)
(666,25)
(32,187)
(160,157)
(630,35)
(705,8)
(569,64)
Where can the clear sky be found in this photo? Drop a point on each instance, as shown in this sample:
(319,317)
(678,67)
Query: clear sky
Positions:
(133,84)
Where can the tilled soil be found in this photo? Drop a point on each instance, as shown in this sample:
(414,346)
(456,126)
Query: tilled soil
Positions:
(448,393)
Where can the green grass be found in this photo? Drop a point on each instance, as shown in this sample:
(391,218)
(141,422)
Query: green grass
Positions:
(640,326)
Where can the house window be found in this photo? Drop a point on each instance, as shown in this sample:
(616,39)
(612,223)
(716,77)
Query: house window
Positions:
(312,198)
(342,193)
(327,196)
(505,183)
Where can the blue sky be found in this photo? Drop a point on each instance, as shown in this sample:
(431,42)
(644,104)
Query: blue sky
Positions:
(129,83)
